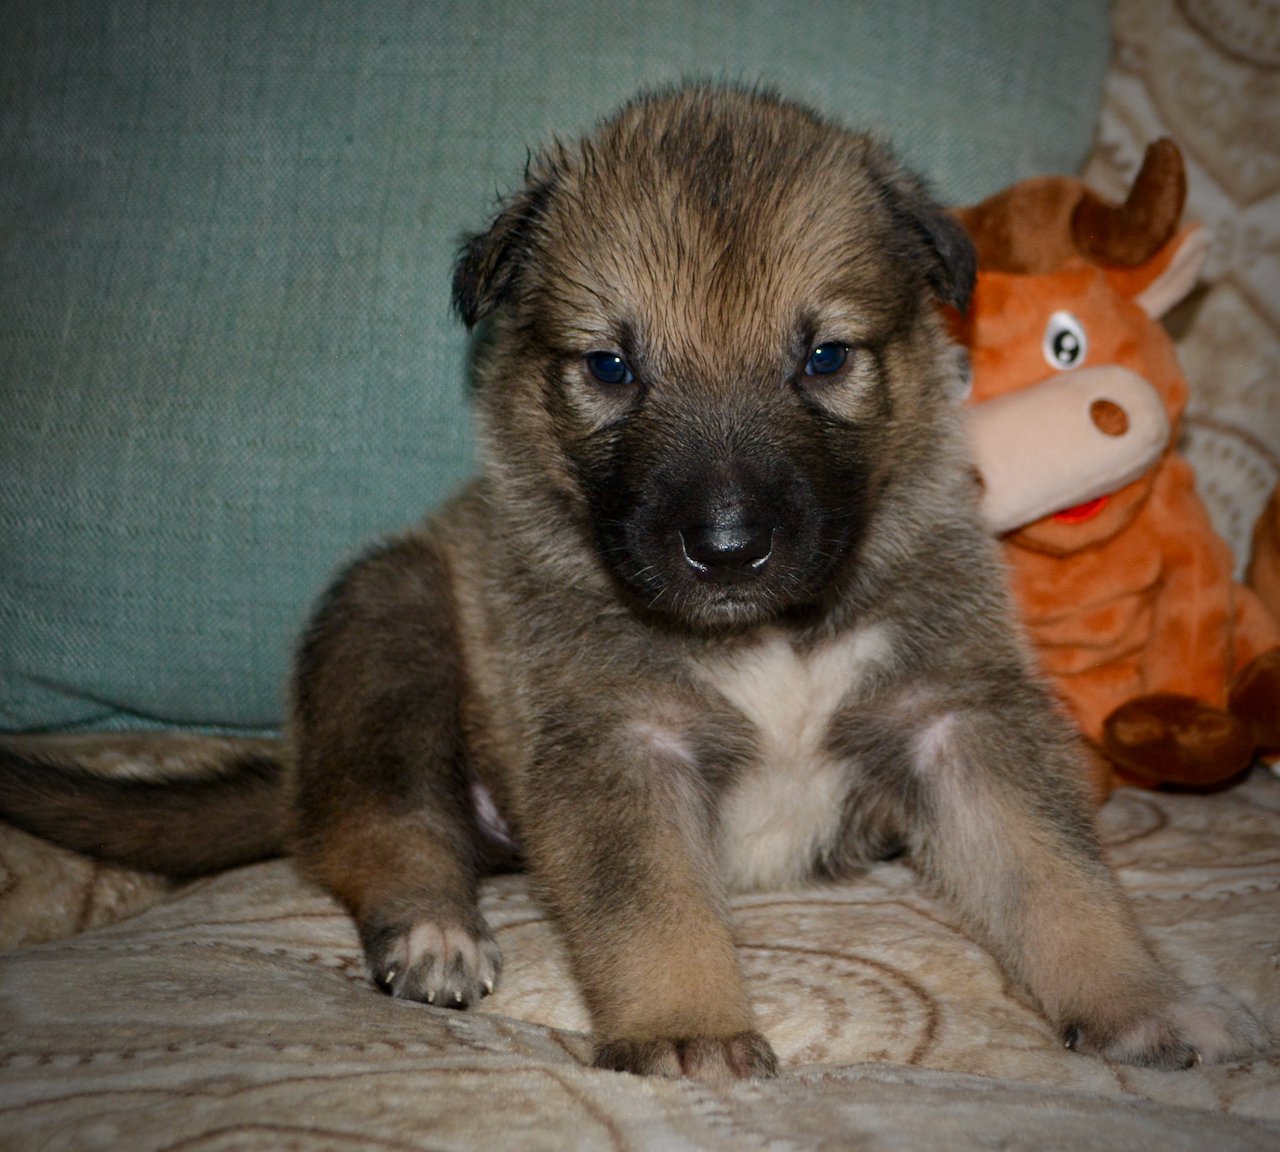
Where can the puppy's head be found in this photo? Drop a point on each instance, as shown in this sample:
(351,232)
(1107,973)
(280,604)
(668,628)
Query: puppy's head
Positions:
(714,343)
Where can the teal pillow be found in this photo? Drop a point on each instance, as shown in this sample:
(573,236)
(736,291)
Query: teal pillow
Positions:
(227,361)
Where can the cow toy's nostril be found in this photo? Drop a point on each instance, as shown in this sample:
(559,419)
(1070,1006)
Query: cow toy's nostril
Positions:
(727,553)
(1109,418)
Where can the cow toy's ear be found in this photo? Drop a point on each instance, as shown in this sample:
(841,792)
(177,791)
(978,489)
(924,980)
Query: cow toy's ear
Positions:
(1165,279)
(1190,249)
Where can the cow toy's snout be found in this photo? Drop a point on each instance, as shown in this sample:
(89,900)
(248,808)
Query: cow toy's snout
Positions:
(1064,442)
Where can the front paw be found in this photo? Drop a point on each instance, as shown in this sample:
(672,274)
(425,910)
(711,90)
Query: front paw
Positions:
(742,1056)
(449,964)
(1208,1026)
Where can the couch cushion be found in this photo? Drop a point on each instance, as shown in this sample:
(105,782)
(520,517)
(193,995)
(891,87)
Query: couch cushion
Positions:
(226,357)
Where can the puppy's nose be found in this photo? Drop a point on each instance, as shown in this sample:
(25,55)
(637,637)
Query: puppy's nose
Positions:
(727,553)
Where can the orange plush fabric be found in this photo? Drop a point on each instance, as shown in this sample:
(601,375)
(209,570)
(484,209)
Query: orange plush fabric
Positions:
(1128,598)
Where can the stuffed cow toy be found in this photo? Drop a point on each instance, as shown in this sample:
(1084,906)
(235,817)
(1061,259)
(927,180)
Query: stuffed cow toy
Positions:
(1170,668)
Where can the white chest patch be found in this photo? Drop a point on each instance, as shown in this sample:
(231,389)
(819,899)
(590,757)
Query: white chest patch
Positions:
(786,807)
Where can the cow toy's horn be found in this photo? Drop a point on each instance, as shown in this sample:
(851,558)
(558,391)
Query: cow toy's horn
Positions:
(1129,234)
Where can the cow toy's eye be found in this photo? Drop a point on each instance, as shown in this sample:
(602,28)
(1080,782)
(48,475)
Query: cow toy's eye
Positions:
(1065,344)
(609,368)
(826,359)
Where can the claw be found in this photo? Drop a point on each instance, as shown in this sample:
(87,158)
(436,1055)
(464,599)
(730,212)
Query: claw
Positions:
(449,965)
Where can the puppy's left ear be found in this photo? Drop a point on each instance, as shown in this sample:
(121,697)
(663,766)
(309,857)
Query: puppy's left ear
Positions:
(951,263)
(489,262)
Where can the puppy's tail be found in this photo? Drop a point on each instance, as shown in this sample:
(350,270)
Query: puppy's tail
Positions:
(227,806)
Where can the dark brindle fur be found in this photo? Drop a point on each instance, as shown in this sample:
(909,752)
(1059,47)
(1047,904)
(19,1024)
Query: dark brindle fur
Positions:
(717,614)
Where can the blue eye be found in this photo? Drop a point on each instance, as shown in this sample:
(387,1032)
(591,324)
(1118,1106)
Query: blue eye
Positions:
(826,359)
(609,368)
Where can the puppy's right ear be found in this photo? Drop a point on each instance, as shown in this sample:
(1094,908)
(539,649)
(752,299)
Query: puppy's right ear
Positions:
(489,262)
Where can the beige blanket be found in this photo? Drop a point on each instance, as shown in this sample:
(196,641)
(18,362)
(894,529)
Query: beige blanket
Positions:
(236,1015)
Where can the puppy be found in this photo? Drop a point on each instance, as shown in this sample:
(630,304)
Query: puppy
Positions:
(718,614)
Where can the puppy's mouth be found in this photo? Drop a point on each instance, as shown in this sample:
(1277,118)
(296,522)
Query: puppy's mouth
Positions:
(728,590)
